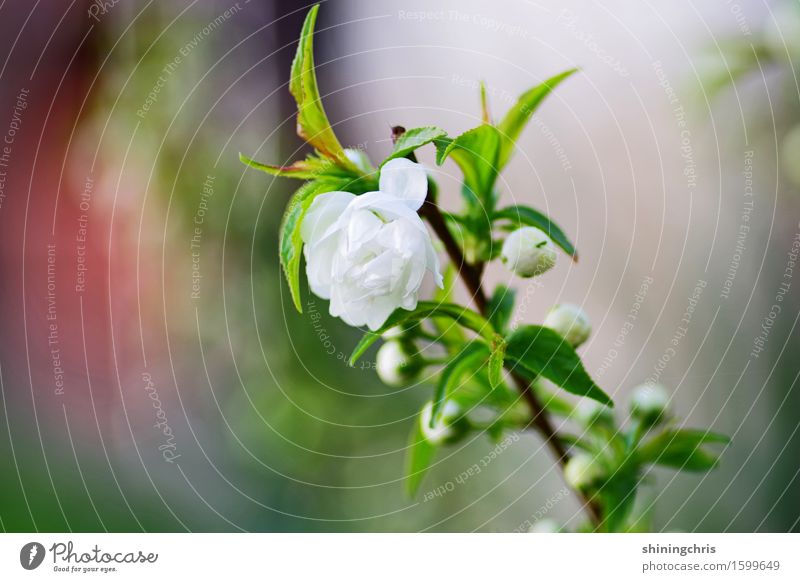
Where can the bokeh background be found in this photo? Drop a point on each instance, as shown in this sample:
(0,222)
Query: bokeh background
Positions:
(138,257)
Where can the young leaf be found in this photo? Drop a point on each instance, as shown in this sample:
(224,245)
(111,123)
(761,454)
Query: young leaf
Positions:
(476,153)
(526,216)
(419,457)
(467,358)
(486,116)
(501,307)
(312,122)
(617,497)
(682,449)
(541,351)
(496,361)
(518,116)
(413,139)
(311,168)
(465,317)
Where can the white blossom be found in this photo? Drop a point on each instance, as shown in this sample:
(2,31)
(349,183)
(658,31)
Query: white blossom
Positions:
(368,254)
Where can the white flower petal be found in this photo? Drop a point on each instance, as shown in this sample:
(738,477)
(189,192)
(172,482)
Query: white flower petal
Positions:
(404,179)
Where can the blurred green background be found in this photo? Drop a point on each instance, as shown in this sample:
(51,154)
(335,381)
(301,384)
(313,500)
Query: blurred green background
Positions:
(134,114)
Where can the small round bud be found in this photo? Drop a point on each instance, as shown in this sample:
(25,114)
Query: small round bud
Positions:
(570,322)
(528,252)
(650,402)
(545,526)
(450,427)
(790,154)
(394,365)
(589,412)
(583,471)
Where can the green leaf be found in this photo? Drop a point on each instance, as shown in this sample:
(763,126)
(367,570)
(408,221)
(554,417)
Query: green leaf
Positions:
(518,116)
(501,307)
(419,456)
(486,116)
(311,168)
(476,153)
(541,351)
(312,122)
(526,216)
(291,245)
(452,372)
(496,361)
(617,497)
(466,317)
(682,449)
(413,139)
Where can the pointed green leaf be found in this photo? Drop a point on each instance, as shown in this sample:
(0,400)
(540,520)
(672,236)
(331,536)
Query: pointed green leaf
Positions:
(476,153)
(486,116)
(496,361)
(465,317)
(419,456)
(467,358)
(682,449)
(541,351)
(413,139)
(518,116)
(312,122)
(311,168)
(526,216)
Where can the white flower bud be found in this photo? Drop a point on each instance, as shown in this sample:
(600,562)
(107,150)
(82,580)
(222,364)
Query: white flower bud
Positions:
(583,471)
(570,322)
(528,252)
(394,365)
(650,402)
(545,526)
(450,426)
(589,412)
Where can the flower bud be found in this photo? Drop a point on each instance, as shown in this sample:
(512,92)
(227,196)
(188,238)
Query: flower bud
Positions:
(650,402)
(590,412)
(528,252)
(394,365)
(570,322)
(450,427)
(583,471)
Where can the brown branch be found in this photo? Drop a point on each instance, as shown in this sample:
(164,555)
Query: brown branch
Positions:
(471,275)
